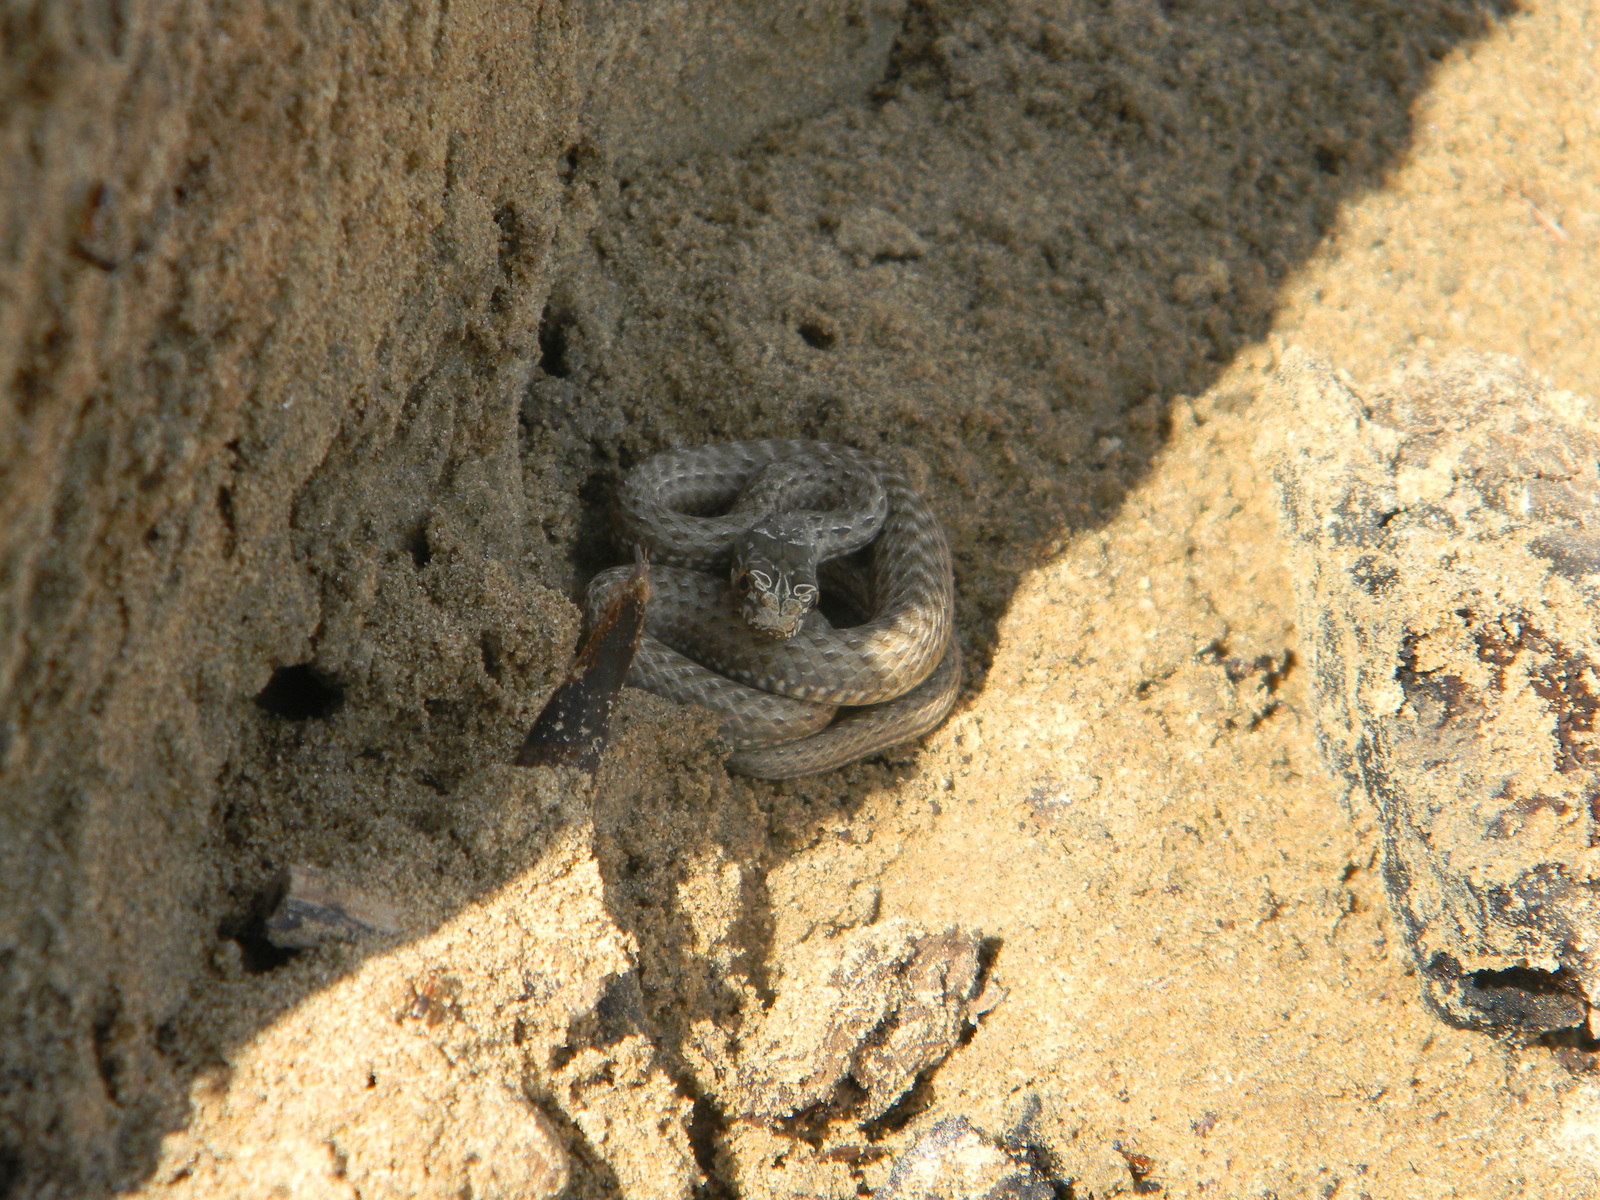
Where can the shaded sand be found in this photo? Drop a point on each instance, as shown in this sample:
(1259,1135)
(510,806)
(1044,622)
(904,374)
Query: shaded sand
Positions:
(312,418)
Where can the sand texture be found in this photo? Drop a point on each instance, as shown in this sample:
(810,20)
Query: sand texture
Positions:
(326,333)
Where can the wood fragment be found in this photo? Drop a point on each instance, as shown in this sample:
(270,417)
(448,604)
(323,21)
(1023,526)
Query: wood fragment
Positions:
(1545,220)
(318,908)
(1452,636)
(572,729)
(1550,224)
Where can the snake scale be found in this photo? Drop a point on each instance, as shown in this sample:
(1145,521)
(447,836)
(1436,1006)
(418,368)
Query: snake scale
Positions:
(743,538)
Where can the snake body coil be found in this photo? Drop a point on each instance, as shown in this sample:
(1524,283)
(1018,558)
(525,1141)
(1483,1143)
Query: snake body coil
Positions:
(756,650)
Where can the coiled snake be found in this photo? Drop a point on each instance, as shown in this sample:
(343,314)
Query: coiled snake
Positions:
(797,694)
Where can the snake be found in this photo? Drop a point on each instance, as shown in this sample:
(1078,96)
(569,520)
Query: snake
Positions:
(745,538)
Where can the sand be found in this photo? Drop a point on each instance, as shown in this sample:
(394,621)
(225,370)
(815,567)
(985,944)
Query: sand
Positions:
(325,336)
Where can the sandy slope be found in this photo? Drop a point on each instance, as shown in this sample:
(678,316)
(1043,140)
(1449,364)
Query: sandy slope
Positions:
(1047,264)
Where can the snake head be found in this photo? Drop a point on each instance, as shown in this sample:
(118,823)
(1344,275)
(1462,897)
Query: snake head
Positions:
(775,579)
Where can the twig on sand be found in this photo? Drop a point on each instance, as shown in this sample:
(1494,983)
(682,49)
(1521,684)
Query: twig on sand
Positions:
(572,729)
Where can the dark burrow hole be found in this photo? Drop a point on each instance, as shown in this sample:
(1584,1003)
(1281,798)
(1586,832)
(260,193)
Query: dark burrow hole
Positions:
(257,955)
(417,546)
(300,693)
(818,337)
(555,335)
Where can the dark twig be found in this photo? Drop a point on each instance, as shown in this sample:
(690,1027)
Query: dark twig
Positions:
(571,731)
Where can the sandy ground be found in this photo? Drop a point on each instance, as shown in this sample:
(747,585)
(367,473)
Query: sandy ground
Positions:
(1047,263)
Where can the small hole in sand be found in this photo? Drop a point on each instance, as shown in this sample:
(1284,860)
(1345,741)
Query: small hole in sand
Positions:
(417,546)
(300,693)
(817,336)
(555,331)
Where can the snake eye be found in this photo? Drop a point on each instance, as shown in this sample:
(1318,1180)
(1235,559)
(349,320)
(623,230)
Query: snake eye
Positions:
(743,584)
